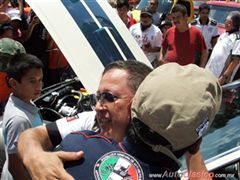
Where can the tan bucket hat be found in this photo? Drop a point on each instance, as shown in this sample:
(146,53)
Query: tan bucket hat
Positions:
(179,103)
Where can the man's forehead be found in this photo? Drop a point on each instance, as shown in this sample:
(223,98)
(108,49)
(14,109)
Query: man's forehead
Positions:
(153,2)
(114,75)
(116,81)
(116,70)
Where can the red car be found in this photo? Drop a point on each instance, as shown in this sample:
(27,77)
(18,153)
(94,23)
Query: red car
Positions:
(219,11)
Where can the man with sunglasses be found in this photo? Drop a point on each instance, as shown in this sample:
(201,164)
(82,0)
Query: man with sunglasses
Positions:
(169,116)
(207,26)
(118,84)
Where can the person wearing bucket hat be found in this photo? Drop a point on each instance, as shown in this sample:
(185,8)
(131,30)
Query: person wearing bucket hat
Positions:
(181,111)
(169,116)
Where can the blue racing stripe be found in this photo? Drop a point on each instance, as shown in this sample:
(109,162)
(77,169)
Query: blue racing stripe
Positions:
(99,12)
(98,37)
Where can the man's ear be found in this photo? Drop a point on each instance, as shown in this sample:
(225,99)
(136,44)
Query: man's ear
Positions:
(130,104)
(129,107)
(12,83)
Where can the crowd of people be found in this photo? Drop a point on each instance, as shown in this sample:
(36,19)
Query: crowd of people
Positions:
(175,39)
(139,115)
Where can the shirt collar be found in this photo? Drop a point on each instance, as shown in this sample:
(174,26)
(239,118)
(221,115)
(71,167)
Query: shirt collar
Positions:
(202,22)
(30,107)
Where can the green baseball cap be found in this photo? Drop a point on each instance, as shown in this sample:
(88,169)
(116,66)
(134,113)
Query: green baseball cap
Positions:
(11,47)
(178,103)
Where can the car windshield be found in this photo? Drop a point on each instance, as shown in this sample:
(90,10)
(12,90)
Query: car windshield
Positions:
(223,136)
(219,13)
(164,6)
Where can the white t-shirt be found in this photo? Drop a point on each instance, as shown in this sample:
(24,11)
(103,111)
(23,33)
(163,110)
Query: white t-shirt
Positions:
(80,122)
(227,45)
(152,35)
(209,30)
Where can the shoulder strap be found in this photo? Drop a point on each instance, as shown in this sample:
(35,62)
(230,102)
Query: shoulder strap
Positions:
(213,22)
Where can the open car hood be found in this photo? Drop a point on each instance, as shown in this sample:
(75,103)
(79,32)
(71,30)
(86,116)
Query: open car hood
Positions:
(90,34)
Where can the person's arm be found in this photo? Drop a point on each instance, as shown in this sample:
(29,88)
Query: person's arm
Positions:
(27,33)
(225,77)
(162,55)
(16,167)
(20,7)
(4,5)
(13,127)
(40,163)
(148,48)
(44,138)
(214,41)
(195,163)
(215,35)
(203,58)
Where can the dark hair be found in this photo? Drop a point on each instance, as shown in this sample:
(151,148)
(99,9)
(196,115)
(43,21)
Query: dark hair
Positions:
(20,64)
(4,59)
(121,3)
(203,6)
(165,23)
(155,1)
(179,8)
(137,71)
(4,27)
(235,17)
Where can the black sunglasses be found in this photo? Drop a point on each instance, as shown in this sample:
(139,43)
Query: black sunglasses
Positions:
(106,96)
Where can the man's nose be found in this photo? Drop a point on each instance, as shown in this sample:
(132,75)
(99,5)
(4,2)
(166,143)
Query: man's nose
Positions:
(99,105)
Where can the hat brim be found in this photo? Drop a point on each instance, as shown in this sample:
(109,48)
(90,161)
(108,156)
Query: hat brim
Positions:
(146,13)
(16,18)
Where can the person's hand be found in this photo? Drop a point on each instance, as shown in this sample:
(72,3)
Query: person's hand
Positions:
(221,80)
(147,47)
(35,21)
(49,165)
(161,62)
(228,96)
